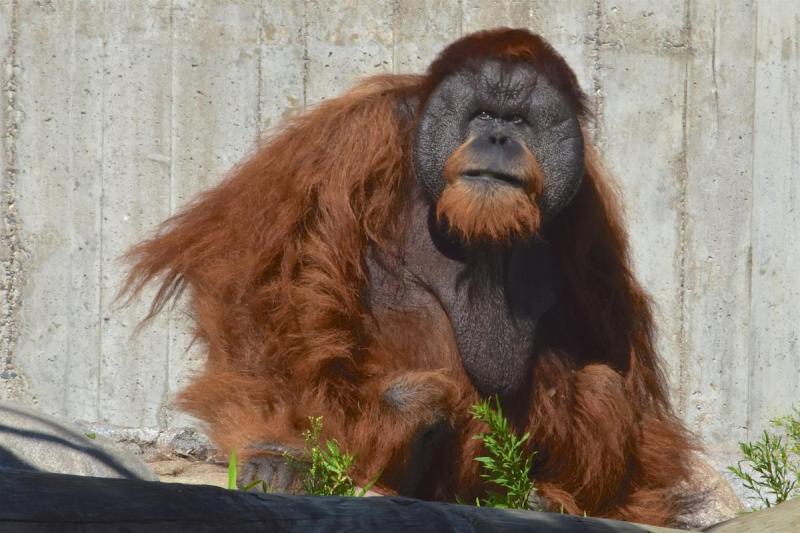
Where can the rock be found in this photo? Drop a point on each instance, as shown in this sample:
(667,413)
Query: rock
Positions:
(716,499)
(32,441)
(157,444)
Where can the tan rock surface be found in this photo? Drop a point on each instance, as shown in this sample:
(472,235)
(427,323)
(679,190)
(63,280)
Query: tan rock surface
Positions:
(716,499)
(181,470)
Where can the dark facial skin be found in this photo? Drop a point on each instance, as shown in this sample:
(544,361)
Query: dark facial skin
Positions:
(493,293)
(502,100)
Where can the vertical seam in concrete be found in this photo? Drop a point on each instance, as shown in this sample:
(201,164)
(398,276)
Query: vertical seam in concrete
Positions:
(306,59)
(12,265)
(714,67)
(597,89)
(70,199)
(162,416)
(101,213)
(530,13)
(752,216)
(460,18)
(171,178)
(683,218)
(395,10)
(261,18)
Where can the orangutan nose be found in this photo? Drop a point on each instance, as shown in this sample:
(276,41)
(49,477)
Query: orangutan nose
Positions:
(498,146)
(498,138)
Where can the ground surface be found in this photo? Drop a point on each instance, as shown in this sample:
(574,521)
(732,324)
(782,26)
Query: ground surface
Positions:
(180,470)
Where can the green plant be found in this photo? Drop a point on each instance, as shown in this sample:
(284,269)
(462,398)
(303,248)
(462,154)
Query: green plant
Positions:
(233,470)
(505,466)
(791,425)
(328,473)
(771,465)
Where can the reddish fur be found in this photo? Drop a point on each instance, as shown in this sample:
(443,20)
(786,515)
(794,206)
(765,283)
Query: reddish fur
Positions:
(274,260)
(499,215)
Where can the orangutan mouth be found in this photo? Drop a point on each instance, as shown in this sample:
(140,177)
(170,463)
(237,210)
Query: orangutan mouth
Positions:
(492,178)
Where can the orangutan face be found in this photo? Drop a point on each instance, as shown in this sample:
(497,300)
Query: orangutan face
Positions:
(499,150)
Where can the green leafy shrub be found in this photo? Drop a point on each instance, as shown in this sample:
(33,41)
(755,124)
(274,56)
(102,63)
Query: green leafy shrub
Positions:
(505,466)
(328,473)
(771,465)
(790,424)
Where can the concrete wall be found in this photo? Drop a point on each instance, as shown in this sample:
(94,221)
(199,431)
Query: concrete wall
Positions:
(115,113)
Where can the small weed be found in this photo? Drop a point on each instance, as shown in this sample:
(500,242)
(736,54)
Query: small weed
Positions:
(505,464)
(790,424)
(328,473)
(771,465)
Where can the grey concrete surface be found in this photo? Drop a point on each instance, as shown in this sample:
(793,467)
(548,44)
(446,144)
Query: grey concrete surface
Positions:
(114,113)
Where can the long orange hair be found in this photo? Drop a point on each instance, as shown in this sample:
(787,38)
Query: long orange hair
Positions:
(273,260)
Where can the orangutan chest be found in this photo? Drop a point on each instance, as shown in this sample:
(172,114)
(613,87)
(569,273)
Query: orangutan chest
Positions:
(491,310)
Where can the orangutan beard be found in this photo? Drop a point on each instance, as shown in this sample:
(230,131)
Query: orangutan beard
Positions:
(486,209)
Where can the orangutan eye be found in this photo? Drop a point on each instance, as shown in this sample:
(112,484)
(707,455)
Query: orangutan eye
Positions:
(484,115)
